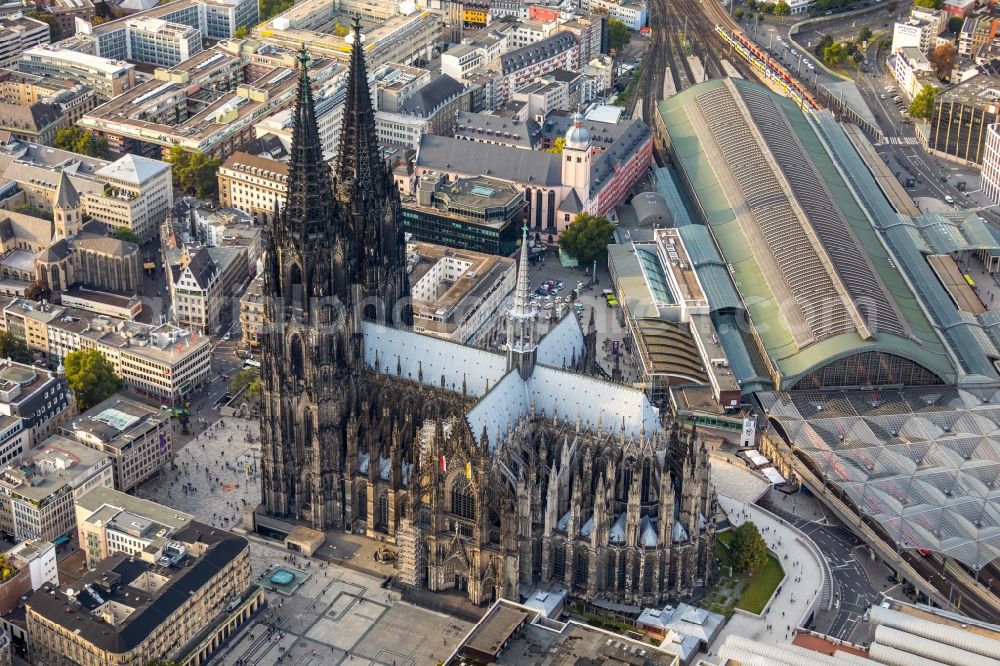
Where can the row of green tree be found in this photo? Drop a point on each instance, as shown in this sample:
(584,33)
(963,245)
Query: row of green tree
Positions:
(79,141)
(89,374)
(195,172)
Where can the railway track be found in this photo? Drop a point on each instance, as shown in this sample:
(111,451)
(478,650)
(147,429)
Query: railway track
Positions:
(680,28)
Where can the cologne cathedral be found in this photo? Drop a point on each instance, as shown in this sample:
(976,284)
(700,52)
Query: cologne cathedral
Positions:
(491,473)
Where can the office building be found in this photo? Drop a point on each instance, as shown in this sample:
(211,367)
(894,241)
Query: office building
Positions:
(135,436)
(19,33)
(390,35)
(252,313)
(630,12)
(39,558)
(478,213)
(167,34)
(329,98)
(34,403)
(919,30)
(976,34)
(253,184)
(522,66)
(991,163)
(37,494)
(110,522)
(458,295)
(161,361)
(65,13)
(36,123)
(133,191)
(208,103)
(431,109)
(106,77)
(961,116)
(912,70)
(70,98)
(203,283)
(130,611)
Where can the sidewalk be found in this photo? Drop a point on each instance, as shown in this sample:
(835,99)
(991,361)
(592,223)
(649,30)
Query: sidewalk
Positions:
(803,579)
(222,467)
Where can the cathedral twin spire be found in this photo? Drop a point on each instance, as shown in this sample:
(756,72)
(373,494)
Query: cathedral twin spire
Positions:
(345,225)
(309,207)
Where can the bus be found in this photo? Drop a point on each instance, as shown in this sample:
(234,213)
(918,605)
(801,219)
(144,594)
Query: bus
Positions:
(968,278)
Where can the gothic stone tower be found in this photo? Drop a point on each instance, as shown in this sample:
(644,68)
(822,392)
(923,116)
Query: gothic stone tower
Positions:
(332,259)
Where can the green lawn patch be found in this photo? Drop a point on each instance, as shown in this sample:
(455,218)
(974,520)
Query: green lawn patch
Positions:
(750,593)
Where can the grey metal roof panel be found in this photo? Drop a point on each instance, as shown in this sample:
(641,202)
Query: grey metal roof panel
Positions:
(603,168)
(562,344)
(533,53)
(414,355)
(428,99)
(514,164)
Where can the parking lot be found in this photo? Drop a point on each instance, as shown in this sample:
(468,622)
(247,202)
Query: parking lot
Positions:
(607,319)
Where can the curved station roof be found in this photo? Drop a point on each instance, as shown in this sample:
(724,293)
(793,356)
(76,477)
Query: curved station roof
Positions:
(818,284)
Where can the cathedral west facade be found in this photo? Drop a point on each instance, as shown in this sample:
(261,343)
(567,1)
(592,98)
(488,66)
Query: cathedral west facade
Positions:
(491,473)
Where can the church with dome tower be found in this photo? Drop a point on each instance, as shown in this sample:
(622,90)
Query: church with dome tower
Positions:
(489,472)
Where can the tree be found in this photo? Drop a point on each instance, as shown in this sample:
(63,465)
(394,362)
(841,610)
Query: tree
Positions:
(768,8)
(824,41)
(77,140)
(91,376)
(126,234)
(618,35)
(923,104)
(931,4)
(738,13)
(37,290)
(55,34)
(194,172)
(748,550)
(782,9)
(241,32)
(892,6)
(943,60)
(14,348)
(834,54)
(955,23)
(864,34)
(271,8)
(249,378)
(587,237)
(557,145)
(341,30)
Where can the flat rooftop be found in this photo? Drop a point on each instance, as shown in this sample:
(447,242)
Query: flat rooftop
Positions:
(191,87)
(115,421)
(45,470)
(484,270)
(980,89)
(102,497)
(543,641)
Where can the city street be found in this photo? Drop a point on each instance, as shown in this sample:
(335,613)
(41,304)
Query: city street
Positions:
(854,591)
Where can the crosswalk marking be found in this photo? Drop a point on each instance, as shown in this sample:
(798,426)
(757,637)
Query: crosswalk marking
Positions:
(899,141)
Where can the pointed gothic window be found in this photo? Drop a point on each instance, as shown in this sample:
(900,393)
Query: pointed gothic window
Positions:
(296,358)
(462,501)
(382,513)
(559,561)
(646,480)
(362,502)
(581,567)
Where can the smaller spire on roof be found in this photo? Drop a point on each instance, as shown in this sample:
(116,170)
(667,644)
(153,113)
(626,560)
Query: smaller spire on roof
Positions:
(66,194)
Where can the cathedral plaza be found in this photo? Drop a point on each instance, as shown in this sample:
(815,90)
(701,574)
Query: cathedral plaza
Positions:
(338,614)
